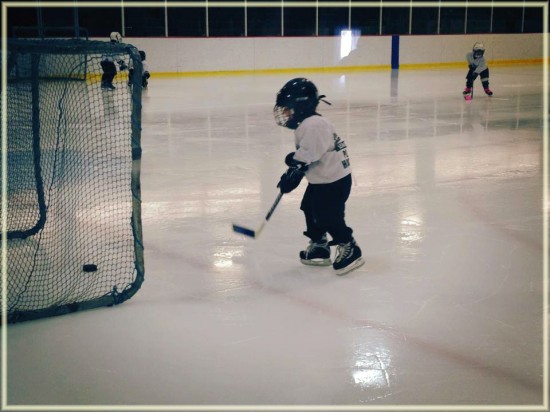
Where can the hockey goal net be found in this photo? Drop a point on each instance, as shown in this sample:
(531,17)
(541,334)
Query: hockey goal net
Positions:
(72,151)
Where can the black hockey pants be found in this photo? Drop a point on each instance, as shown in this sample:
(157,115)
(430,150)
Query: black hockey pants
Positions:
(324,208)
(109,72)
(471,76)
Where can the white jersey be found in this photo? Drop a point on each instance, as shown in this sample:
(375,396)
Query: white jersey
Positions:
(318,146)
(479,63)
(113,56)
(144,66)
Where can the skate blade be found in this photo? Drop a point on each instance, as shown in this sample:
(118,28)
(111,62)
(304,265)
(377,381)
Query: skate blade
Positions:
(354,265)
(316,262)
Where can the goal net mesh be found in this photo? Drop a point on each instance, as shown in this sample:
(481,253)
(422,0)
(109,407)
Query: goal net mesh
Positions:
(72,188)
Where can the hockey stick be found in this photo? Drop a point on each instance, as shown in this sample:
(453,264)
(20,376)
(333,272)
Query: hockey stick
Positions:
(255,233)
(470,95)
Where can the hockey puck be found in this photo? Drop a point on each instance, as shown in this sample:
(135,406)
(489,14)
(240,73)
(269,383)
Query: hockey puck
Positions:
(90,267)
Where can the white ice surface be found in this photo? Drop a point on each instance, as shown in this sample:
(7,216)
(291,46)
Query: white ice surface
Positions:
(447,206)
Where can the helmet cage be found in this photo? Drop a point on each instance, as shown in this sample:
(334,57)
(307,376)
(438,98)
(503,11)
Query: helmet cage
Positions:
(282,115)
(478,50)
(478,53)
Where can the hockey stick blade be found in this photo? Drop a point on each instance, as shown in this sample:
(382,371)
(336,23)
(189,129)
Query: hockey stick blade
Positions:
(249,232)
(255,233)
(244,230)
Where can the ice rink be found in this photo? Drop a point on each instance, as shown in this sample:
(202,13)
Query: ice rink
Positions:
(447,206)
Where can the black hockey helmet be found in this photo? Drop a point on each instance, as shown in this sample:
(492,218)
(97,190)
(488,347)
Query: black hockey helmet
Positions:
(296,101)
(142,55)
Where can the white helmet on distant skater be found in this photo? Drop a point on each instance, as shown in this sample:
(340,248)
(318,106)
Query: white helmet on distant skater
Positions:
(116,37)
(478,49)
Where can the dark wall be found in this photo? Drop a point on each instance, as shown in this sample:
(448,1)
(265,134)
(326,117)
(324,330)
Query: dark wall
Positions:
(280,18)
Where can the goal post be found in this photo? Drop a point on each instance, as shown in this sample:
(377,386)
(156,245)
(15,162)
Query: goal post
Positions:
(74,237)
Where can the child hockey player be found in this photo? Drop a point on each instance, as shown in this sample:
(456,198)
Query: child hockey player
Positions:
(477,66)
(322,157)
(144,71)
(108,63)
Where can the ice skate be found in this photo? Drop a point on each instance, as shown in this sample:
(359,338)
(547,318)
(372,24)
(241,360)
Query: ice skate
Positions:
(467,93)
(348,258)
(488,91)
(317,253)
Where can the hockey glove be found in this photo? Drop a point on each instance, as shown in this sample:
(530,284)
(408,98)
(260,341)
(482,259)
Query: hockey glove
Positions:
(290,162)
(122,65)
(291,179)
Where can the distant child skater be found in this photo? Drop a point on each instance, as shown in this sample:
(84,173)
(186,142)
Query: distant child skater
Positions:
(108,60)
(322,157)
(477,66)
(144,71)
